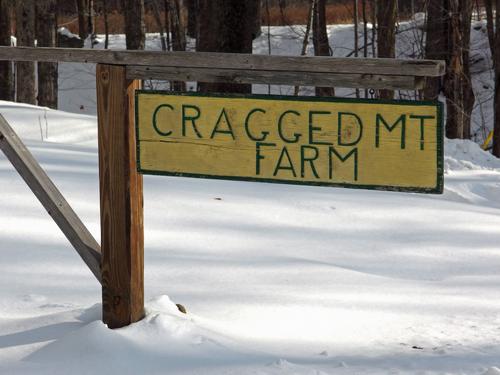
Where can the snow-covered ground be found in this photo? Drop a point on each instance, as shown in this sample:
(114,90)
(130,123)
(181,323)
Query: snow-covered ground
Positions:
(277,279)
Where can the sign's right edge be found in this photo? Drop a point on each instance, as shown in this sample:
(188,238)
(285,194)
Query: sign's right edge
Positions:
(440,149)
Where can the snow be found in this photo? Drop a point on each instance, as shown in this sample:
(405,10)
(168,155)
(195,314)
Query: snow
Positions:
(64,31)
(463,155)
(420,19)
(276,279)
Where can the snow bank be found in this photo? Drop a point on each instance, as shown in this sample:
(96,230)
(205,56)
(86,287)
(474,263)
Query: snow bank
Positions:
(492,371)
(164,339)
(33,123)
(64,31)
(461,155)
(471,174)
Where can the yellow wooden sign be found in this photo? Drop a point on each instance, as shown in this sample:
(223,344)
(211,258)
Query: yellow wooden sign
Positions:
(396,145)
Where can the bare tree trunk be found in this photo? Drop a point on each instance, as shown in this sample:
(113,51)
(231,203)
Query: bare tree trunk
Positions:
(256,11)
(46,37)
(226,26)
(177,28)
(320,41)
(282,6)
(453,85)
(386,35)
(448,38)
(159,23)
(269,49)
(268,17)
(466,7)
(436,44)
(458,89)
(365,28)
(25,33)
(356,29)
(105,11)
(305,41)
(374,27)
(82,22)
(365,34)
(496,59)
(192,14)
(356,35)
(134,24)
(6,73)
(496,103)
(90,20)
(166,4)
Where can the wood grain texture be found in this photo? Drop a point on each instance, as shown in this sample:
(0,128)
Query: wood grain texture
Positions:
(219,61)
(50,197)
(375,81)
(122,237)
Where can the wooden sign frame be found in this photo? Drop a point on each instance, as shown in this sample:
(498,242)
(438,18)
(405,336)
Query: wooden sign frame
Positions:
(118,264)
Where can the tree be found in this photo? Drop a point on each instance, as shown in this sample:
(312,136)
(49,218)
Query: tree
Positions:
(452,87)
(494,26)
(466,7)
(226,26)
(192,11)
(178,33)
(163,28)
(177,26)
(436,43)
(374,26)
(305,41)
(448,38)
(6,76)
(25,33)
(256,12)
(81,6)
(356,34)
(105,12)
(135,33)
(46,26)
(365,35)
(386,34)
(90,20)
(320,40)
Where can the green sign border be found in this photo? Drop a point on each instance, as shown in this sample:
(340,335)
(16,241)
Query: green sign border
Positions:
(438,189)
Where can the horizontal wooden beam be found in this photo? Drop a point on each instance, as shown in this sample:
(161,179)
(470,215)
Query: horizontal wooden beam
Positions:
(217,61)
(373,81)
(50,197)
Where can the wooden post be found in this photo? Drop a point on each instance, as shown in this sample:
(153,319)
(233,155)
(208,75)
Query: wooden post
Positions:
(122,232)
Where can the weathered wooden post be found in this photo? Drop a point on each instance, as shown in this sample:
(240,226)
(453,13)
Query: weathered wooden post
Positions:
(122,232)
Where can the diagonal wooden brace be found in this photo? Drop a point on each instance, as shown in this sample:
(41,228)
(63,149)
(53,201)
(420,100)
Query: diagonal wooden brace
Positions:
(50,197)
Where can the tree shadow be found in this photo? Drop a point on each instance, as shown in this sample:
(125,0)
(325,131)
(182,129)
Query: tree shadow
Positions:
(53,331)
